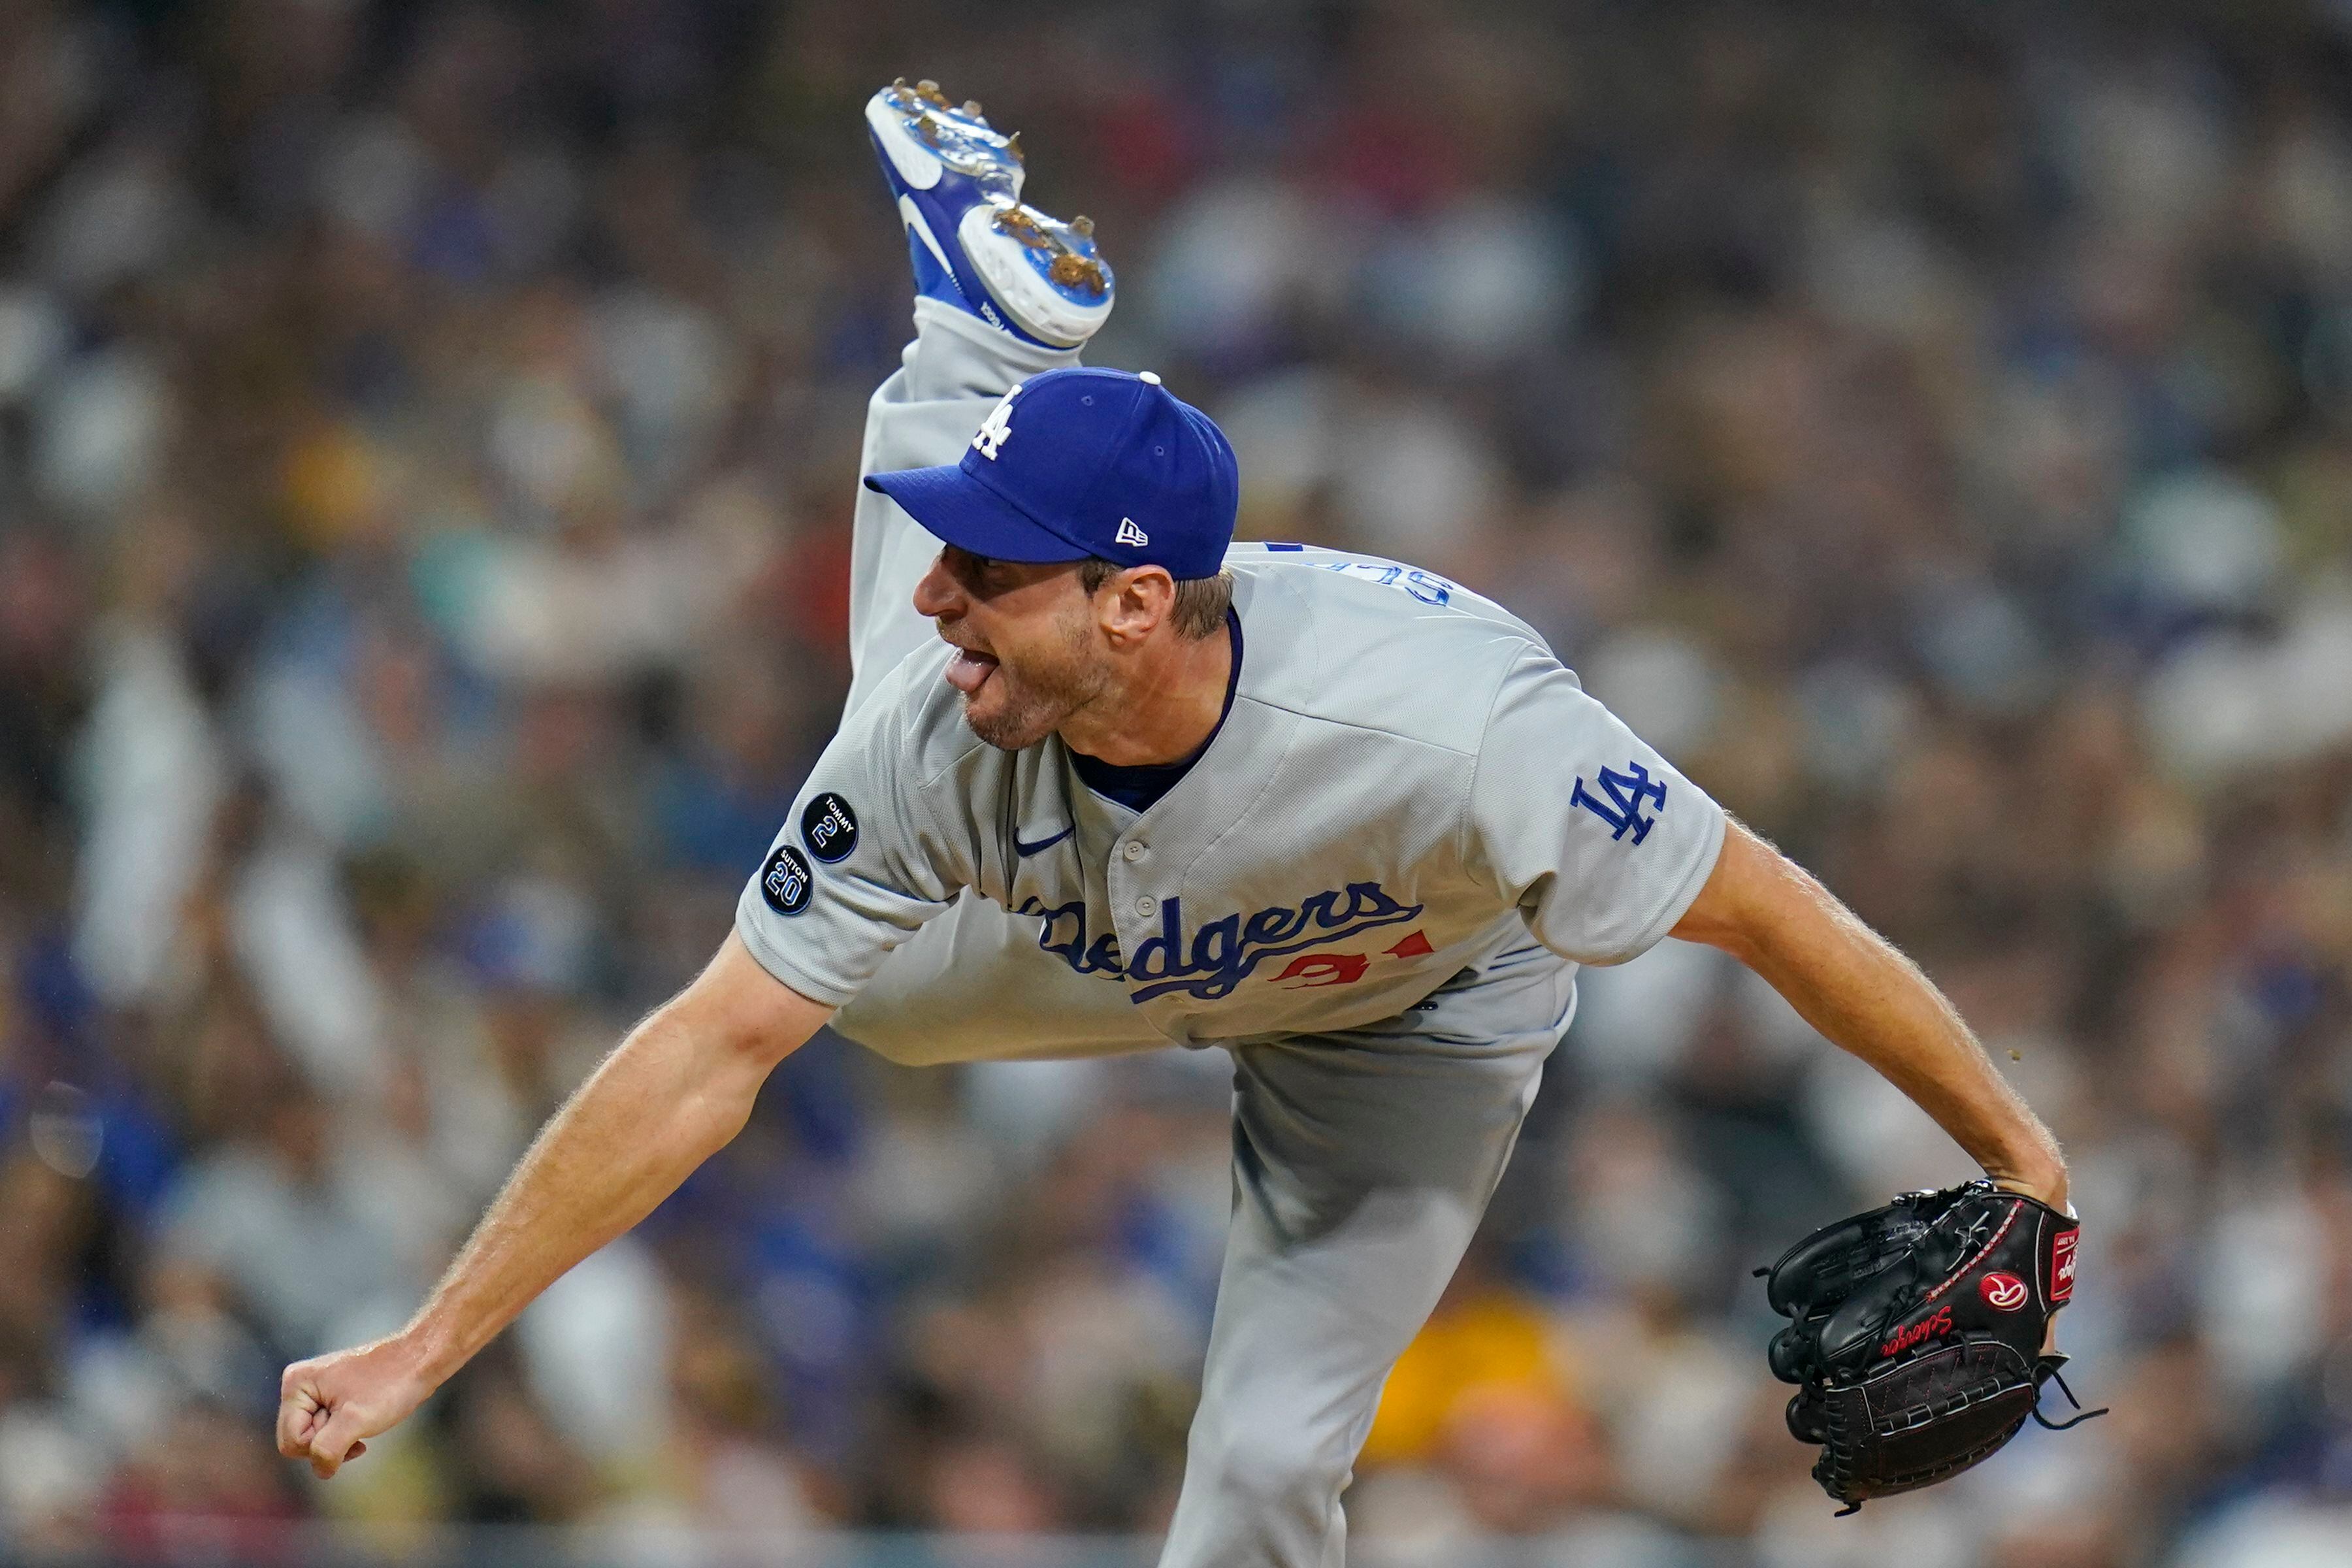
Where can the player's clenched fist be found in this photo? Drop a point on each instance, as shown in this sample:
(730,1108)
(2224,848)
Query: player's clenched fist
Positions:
(329,1405)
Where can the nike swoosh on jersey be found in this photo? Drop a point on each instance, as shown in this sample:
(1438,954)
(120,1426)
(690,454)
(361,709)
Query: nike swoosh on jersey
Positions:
(1025,850)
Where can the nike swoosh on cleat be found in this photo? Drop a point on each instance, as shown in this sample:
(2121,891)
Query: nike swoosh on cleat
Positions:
(1025,850)
(912,217)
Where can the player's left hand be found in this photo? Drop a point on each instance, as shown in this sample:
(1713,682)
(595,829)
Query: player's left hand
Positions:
(2051,1189)
(1912,1333)
(329,1405)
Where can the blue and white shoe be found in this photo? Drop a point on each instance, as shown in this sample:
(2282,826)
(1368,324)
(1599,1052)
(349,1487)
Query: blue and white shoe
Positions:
(974,243)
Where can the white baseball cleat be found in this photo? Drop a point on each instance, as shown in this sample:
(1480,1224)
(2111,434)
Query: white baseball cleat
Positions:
(974,243)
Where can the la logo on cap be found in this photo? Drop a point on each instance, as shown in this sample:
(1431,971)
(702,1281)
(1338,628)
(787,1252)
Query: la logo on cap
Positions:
(1130,534)
(994,432)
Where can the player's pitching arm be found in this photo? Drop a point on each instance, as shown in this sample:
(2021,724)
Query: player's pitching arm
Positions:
(1864,996)
(674,1091)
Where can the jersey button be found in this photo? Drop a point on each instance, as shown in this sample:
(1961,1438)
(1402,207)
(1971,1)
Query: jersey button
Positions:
(1146,904)
(1135,849)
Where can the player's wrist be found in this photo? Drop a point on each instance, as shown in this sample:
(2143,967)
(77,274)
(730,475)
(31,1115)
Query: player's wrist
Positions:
(426,1351)
(2043,1181)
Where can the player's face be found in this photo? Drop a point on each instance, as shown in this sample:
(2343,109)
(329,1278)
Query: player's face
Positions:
(1030,653)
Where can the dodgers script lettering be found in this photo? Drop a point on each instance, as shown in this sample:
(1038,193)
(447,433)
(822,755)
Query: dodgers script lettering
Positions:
(1222,953)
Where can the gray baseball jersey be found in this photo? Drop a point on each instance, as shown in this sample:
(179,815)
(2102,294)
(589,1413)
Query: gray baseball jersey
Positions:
(1409,786)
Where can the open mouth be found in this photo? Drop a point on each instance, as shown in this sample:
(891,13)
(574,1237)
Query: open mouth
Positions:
(969,670)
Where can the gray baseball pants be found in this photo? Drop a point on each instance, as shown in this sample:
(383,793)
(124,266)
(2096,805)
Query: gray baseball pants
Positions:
(1362,1159)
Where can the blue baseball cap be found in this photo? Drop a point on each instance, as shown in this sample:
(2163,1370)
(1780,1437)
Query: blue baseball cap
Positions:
(1078,463)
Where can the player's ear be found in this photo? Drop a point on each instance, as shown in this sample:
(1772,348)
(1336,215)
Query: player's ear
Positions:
(1140,599)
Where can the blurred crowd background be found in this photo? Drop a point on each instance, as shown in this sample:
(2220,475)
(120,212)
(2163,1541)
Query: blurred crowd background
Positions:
(428,435)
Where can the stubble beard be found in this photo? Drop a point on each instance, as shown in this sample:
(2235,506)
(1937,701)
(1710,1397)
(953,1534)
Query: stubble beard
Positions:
(1036,701)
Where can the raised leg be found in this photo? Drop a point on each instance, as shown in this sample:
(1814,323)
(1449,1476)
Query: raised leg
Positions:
(982,260)
(1004,291)
(955,371)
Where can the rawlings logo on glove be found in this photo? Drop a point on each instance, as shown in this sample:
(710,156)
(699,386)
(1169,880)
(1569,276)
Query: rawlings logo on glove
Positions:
(1916,1334)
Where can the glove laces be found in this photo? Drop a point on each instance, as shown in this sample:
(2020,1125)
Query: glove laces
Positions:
(2068,1426)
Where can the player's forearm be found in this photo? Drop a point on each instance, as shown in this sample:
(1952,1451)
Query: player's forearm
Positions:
(1863,995)
(665,1100)
(1870,1000)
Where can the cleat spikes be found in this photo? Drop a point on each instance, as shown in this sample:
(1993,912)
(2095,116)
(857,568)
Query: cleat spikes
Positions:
(972,110)
(928,128)
(1013,145)
(1072,270)
(929,91)
(1020,227)
(1068,267)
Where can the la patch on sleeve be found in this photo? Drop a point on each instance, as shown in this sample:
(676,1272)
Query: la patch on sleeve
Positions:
(1627,794)
(785,881)
(829,828)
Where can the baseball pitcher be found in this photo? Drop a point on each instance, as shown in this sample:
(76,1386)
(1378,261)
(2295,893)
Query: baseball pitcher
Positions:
(1109,782)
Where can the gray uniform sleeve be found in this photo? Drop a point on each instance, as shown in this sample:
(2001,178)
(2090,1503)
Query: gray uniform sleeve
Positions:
(1594,836)
(857,868)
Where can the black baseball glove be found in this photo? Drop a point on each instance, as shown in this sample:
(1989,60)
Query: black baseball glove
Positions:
(1916,1343)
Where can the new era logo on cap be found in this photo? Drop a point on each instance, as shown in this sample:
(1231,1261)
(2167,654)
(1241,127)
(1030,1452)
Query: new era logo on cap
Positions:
(1097,448)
